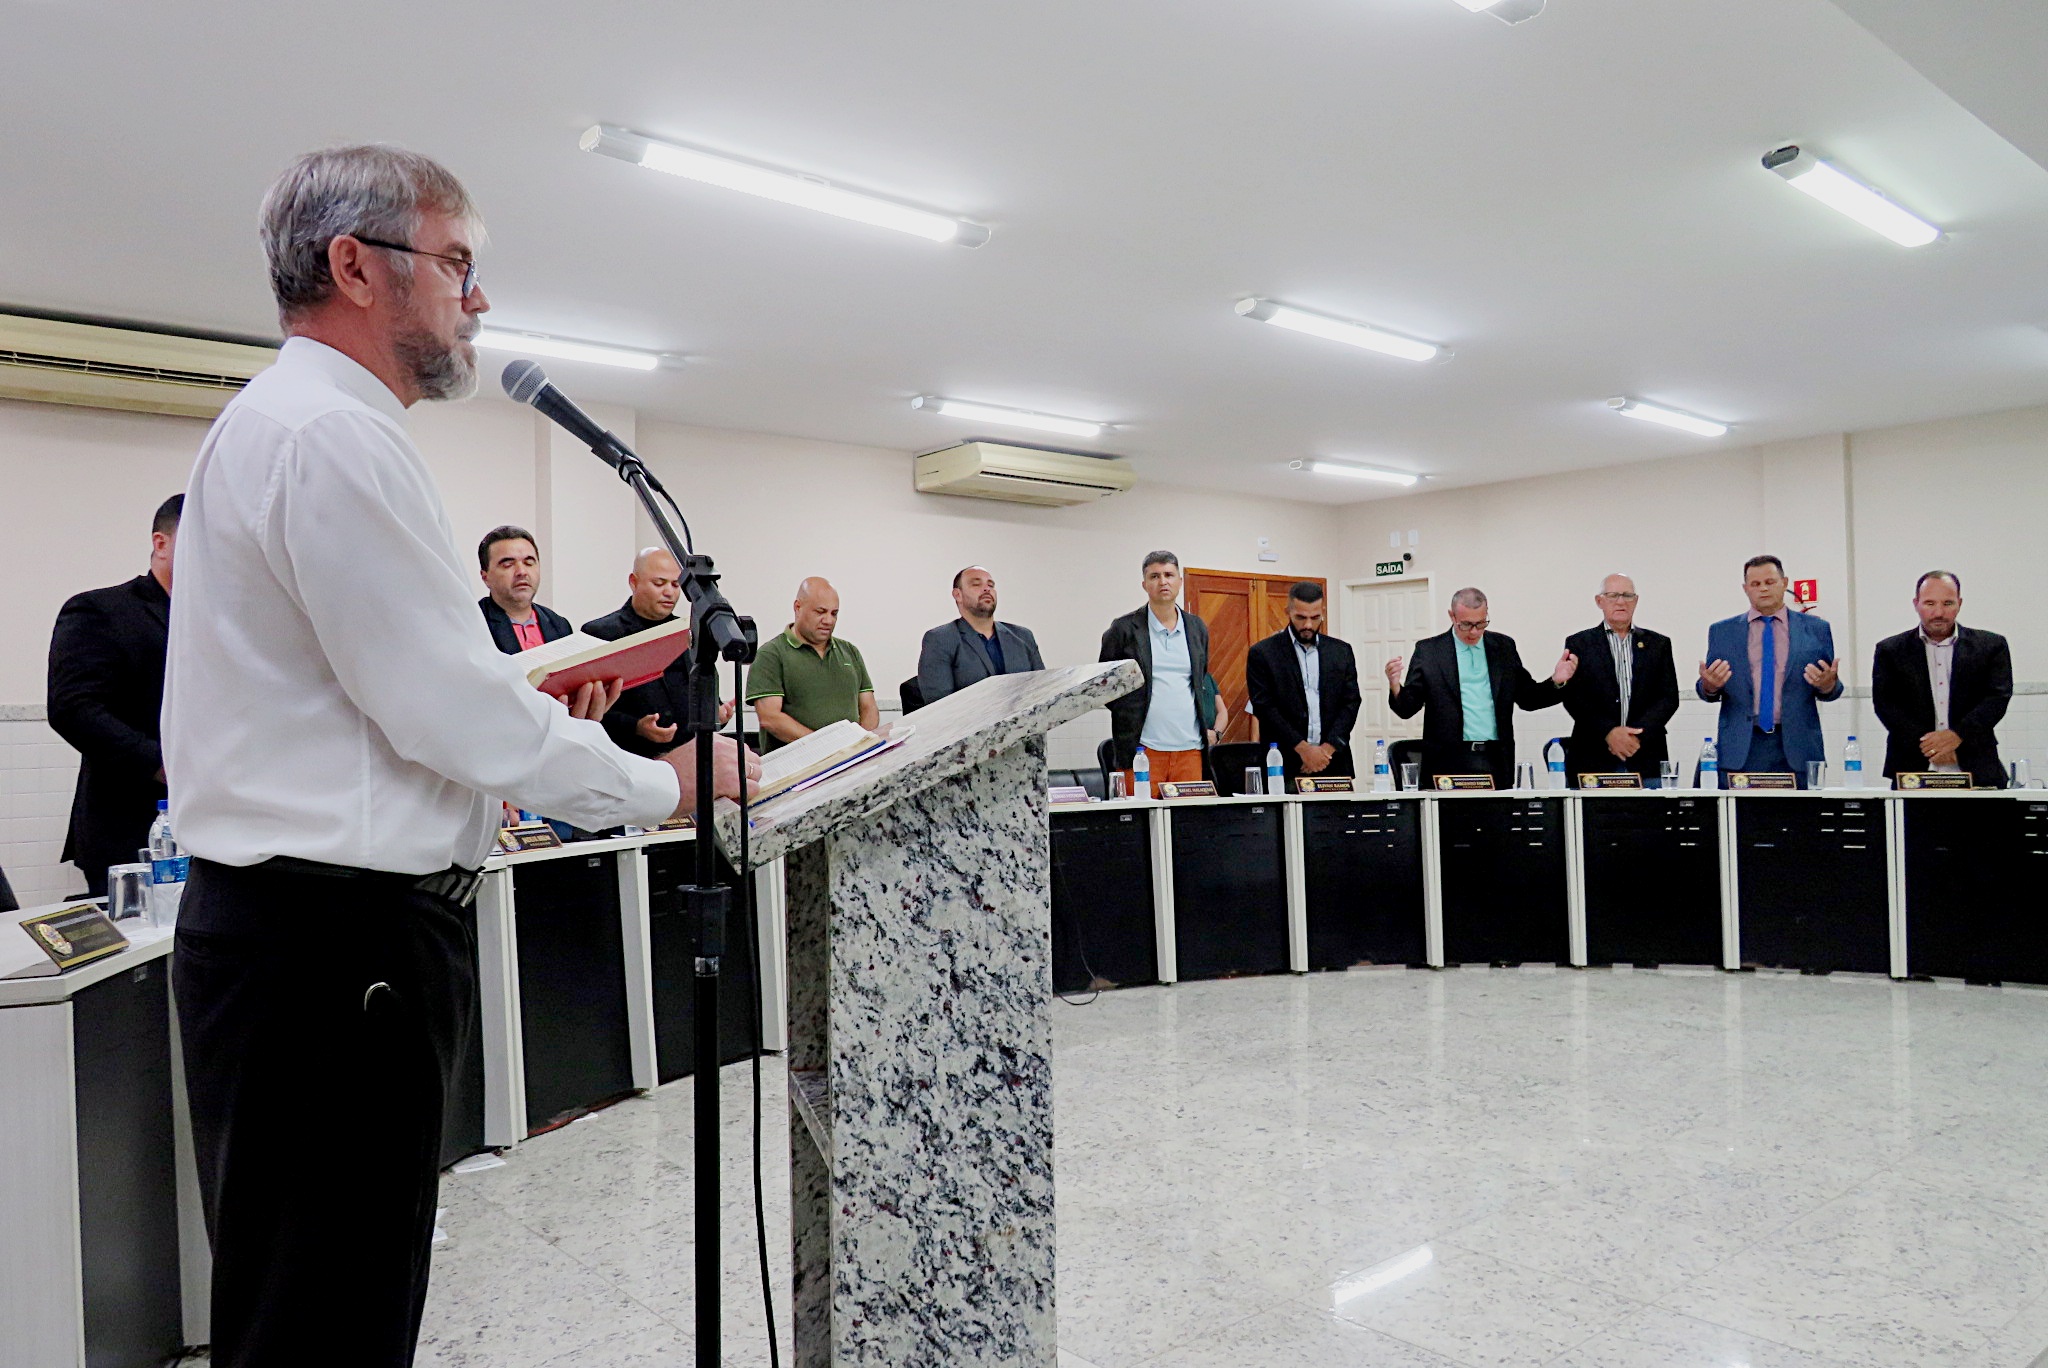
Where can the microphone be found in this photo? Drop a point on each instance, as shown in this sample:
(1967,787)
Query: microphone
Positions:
(526,383)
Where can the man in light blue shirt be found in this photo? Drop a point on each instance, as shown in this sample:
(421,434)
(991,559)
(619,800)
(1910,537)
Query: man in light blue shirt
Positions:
(1170,713)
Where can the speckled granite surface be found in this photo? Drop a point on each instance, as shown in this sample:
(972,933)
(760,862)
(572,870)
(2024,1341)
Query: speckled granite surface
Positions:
(951,735)
(920,1037)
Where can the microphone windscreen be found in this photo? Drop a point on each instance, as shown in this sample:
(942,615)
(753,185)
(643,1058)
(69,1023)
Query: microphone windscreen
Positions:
(522,380)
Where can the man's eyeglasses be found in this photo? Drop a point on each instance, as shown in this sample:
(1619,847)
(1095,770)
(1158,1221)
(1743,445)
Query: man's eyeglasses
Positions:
(1620,598)
(468,264)
(1478,626)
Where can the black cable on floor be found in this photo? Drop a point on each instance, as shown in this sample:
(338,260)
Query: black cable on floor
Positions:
(1080,941)
(750,918)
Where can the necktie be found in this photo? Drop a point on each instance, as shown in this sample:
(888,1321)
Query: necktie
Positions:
(1767,687)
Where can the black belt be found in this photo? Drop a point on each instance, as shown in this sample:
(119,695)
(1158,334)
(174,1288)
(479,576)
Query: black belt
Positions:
(452,885)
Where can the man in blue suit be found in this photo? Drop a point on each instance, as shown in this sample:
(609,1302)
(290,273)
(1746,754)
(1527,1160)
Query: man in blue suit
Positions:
(1784,668)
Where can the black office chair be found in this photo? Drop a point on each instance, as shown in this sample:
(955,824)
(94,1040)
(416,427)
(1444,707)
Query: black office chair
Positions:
(1105,761)
(7,902)
(1401,753)
(912,696)
(1086,779)
(1228,762)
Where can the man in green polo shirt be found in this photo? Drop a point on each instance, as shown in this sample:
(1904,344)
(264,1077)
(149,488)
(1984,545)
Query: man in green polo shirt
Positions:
(808,678)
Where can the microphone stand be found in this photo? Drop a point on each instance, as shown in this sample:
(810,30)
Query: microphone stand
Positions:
(717,633)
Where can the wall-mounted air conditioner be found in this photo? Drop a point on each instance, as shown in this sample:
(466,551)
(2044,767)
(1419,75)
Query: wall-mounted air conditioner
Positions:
(1051,479)
(50,361)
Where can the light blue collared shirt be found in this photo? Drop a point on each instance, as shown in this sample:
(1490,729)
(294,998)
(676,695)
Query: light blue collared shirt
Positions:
(1311,661)
(1170,723)
(1475,691)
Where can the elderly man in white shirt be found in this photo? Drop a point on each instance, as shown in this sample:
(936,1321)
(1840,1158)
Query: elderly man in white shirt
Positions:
(338,732)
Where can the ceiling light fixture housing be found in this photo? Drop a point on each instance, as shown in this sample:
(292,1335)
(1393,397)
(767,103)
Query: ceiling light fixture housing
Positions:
(1507,11)
(1357,472)
(786,187)
(538,344)
(1668,417)
(1022,418)
(1339,330)
(1849,196)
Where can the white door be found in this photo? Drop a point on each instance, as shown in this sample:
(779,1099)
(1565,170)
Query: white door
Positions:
(1384,619)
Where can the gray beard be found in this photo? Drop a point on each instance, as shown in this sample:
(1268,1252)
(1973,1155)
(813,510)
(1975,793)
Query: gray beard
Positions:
(438,370)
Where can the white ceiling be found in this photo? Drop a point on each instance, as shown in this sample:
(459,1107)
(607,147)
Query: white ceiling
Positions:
(1573,204)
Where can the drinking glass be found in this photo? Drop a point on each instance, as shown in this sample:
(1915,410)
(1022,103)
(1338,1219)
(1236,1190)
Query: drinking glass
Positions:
(2020,777)
(1254,780)
(1668,772)
(128,891)
(1411,774)
(1816,774)
(1117,787)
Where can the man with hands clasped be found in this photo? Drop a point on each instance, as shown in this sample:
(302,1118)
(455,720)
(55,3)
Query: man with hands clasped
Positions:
(1942,688)
(1624,695)
(1783,669)
(1471,681)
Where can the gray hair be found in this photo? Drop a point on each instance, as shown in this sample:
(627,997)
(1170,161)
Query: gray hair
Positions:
(373,190)
(1468,598)
(1153,558)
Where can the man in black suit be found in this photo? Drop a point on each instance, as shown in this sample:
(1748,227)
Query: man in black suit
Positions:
(508,558)
(1304,690)
(1941,689)
(105,696)
(645,718)
(1471,681)
(1624,693)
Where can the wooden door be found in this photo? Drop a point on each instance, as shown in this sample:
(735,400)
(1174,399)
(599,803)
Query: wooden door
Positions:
(1383,620)
(1240,609)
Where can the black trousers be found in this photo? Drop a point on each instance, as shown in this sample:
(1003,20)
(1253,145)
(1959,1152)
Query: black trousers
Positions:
(322,1018)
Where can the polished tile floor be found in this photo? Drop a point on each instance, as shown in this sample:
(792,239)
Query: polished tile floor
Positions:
(1479,1167)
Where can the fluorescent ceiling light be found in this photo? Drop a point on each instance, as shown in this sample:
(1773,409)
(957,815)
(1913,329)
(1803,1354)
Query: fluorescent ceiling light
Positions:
(990,413)
(1851,197)
(527,344)
(1507,11)
(1382,1275)
(1357,472)
(1668,417)
(785,186)
(1338,330)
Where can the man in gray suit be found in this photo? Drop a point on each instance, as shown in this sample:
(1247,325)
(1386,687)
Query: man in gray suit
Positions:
(974,645)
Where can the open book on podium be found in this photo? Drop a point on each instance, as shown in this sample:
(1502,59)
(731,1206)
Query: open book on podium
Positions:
(562,667)
(826,751)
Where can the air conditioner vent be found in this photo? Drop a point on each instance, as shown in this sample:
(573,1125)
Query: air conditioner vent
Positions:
(1032,475)
(80,366)
(53,361)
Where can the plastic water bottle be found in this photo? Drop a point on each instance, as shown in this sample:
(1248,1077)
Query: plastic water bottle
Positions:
(1710,765)
(1382,773)
(1553,763)
(168,866)
(1141,775)
(1852,764)
(1276,781)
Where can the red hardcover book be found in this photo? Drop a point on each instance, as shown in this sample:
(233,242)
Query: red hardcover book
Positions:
(562,667)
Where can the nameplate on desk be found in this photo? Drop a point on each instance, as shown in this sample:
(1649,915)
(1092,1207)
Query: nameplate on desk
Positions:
(678,824)
(1923,781)
(1761,779)
(514,839)
(1066,793)
(1464,783)
(1188,788)
(1610,781)
(1310,784)
(71,936)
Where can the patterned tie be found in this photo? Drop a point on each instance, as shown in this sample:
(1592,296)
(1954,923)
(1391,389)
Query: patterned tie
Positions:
(1767,687)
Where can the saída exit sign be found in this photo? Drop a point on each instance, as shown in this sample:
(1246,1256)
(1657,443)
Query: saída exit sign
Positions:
(1384,568)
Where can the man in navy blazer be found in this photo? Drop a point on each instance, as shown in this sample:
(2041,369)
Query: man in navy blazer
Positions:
(973,646)
(1770,669)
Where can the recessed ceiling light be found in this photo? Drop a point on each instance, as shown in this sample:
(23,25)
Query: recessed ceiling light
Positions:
(530,344)
(1849,196)
(1357,472)
(1667,417)
(788,187)
(1339,330)
(1507,11)
(991,413)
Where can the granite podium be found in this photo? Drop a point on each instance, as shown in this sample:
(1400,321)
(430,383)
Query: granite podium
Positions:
(920,1034)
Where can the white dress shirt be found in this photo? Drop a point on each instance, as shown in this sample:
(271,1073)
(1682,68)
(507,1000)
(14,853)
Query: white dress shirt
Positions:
(1941,664)
(331,692)
(1310,658)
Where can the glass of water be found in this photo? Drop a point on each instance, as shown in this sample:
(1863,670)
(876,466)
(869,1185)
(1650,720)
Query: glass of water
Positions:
(127,892)
(2020,776)
(1117,787)
(1816,774)
(1411,774)
(1254,780)
(1669,773)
